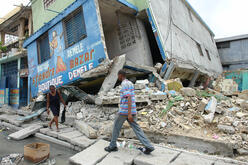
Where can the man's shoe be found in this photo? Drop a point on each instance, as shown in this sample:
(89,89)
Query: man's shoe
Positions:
(146,150)
(110,149)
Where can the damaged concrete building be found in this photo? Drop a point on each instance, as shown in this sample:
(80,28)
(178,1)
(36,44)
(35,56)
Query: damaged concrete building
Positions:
(77,41)
(234,59)
(15,27)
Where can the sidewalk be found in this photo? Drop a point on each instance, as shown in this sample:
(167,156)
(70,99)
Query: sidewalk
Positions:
(91,152)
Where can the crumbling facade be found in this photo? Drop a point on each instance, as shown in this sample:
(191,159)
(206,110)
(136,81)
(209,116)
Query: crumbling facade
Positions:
(15,28)
(90,33)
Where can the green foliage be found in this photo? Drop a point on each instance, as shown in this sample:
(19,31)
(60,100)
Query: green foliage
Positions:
(171,104)
(2,48)
(206,94)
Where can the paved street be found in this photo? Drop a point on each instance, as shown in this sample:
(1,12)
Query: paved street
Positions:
(60,153)
(91,152)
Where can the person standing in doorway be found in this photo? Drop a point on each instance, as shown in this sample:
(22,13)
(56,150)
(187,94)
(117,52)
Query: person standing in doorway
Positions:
(53,102)
(128,112)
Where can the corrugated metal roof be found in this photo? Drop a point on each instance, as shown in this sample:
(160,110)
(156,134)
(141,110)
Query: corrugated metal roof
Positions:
(233,38)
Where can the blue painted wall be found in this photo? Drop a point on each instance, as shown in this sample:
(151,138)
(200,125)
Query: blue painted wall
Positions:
(66,64)
(240,77)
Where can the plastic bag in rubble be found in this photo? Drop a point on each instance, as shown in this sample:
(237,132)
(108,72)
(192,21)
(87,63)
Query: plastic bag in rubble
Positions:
(211,106)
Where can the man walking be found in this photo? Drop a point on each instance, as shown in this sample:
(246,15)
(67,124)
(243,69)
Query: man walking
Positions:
(128,112)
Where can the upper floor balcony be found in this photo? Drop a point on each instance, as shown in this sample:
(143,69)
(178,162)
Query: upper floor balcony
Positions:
(15,27)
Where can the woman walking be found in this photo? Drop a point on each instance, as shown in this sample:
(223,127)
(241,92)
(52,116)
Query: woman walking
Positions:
(53,102)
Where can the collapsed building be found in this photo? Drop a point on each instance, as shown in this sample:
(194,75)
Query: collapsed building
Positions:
(77,45)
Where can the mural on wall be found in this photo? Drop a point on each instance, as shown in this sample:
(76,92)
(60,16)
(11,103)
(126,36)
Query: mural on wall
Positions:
(66,65)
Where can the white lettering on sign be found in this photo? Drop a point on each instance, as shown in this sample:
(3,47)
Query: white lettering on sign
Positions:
(78,48)
(79,71)
(45,86)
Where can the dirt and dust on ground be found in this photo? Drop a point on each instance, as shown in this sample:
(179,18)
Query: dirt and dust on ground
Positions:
(11,151)
(212,115)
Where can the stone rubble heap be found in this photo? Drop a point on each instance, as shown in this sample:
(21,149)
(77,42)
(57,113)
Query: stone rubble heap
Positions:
(205,114)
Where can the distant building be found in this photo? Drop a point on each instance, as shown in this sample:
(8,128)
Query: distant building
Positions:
(233,52)
(74,36)
(15,27)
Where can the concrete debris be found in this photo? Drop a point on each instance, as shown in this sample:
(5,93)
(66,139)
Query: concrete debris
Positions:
(188,92)
(19,135)
(175,85)
(15,158)
(91,155)
(226,86)
(244,105)
(226,128)
(123,157)
(111,78)
(86,129)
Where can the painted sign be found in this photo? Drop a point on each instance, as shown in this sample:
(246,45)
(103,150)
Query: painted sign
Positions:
(66,65)
(14,97)
(2,96)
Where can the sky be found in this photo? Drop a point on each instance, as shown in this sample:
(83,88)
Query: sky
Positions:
(224,17)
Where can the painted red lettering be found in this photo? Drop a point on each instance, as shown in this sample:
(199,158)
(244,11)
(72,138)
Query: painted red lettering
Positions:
(86,57)
(91,54)
(76,61)
(81,59)
(71,64)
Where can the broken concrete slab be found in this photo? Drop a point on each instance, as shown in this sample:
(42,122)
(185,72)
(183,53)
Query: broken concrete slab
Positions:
(69,135)
(111,79)
(122,157)
(44,130)
(226,128)
(213,147)
(191,159)
(10,126)
(11,119)
(161,156)
(86,129)
(19,135)
(188,92)
(91,155)
(82,141)
(228,162)
(55,134)
(54,140)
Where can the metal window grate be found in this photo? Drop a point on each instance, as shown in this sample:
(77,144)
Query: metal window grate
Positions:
(9,68)
(24,63)
(74,27)
(43,48)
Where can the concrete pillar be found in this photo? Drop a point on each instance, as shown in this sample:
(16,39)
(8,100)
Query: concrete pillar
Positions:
(3,38)
(192,82)
(30,25)
(18,73)
(163,69)
(169,71)
(21,32)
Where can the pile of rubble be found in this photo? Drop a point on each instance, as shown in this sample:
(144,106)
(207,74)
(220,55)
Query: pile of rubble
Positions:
(206,114)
